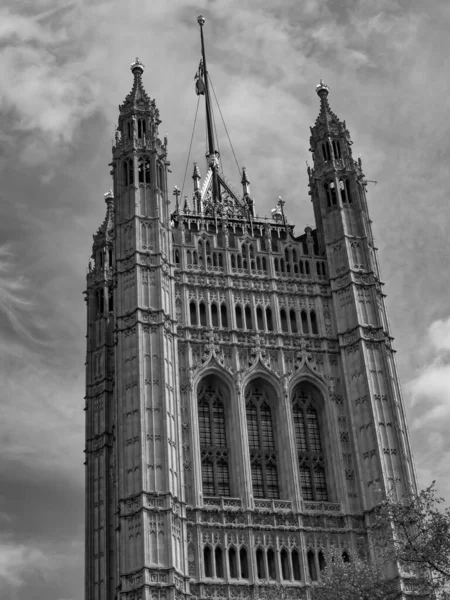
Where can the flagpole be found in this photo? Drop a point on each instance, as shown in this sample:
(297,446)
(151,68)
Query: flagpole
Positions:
(212,154)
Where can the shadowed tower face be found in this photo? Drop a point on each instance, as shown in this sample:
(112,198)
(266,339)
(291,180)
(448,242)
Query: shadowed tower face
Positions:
(243,410)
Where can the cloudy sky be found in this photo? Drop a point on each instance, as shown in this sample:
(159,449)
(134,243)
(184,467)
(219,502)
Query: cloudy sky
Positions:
(64,68)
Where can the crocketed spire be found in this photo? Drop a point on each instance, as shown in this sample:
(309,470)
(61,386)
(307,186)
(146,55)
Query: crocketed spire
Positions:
(137,98)
(327,124)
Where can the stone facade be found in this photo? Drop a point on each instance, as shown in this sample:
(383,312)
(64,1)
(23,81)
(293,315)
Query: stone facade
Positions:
(243,409)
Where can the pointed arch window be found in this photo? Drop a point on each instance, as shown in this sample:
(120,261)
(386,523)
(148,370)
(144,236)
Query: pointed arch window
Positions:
(160,176)
(304,318)
(269,320)
(128,172)
(213,440)
(193,313)
(202,310)
(260,318)
(348,191)
(214,315)
(326,151)
(263,456)
(337,149)
(141,170)
(239,321)
(311,458)
(293,321)
(223,315)
(142,128)
(284,321)
(314,328)
(248,318)
(147,170)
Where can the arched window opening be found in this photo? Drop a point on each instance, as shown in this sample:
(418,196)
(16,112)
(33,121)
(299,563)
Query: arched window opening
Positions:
(304,318)
(345,557)
(244,263)
(302,268)
(232,563)
(284,558)
(348,191)
(275,262)
(314,328)
(269,319)
(296,565)
(260,318)
(258,263)
(283,270)
(142,128)
(293,321)
(214,315)
(194,257)
(214,257)
(294,255)
(130,129)
(318,269)
(248,318)
(239,322)
(110,257)
(213,439)
(312,565)
(337,149)
(311,459)
(147,170)
(307,269)
(322,561)
(244,563)
(252,264)
(271,564)
(343,191)
(177,257)
(219,561)
(193,313)
(324,273)
(286,255)
(233,261)
(111,301)
(208,247)
(251,251)
(264,264)
(284,323)
(202,310)
(244,250)
(223,315)
(208,261)
(200,246)
(207,561)
(326,151)
(220,259)
(333,193)
(260,566)
(239,261)
(295,268)
(263,457)
(141,170)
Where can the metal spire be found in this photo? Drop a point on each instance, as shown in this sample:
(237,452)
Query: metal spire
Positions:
(213,156)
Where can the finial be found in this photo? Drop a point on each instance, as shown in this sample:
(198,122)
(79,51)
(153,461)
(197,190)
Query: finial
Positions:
(196,173)
(137,67)
(322,88)
(109,195)
(201,20)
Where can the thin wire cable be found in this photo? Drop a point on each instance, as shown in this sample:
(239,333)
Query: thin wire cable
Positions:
(226,130)
(190,148)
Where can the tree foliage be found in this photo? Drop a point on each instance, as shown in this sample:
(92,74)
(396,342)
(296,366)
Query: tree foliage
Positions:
(415,531)
(356,579)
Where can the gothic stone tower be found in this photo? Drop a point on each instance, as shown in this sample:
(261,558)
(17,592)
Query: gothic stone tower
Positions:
(243,409)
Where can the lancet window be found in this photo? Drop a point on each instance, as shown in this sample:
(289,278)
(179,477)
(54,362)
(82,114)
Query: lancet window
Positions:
(213,439)
(144,170)
(311,458)
(326,151)
(330,191)
(142,128)
(128,172)
(344,187)
(260,428)
(337,149)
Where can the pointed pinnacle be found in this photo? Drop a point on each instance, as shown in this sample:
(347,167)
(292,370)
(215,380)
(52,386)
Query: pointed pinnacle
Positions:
(245,178)
(196,173)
